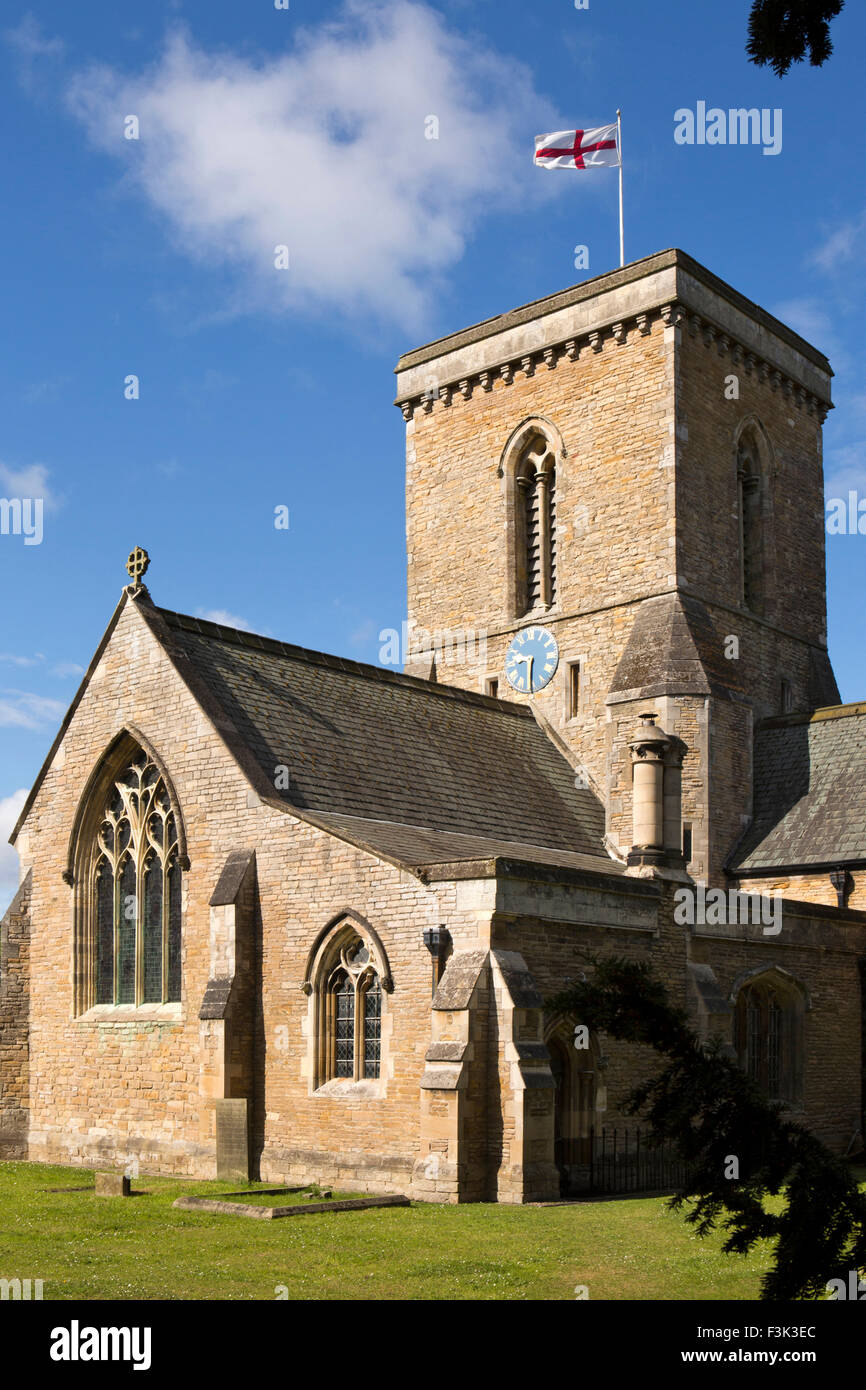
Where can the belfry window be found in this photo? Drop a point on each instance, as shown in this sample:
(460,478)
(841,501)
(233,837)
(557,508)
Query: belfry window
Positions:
(751,527)
(135,896)
(352,1017)
(535,527)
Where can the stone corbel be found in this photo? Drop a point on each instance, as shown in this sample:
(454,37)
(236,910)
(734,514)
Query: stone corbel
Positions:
(644,326)
(506,371)
(595,342)
(527,366)
(572,350)
(619,334)
(407,409)
(465,388)
(486,380)
(445,395)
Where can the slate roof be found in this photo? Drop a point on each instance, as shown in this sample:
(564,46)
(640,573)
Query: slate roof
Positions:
(810,792)
(673,649)
(418,772)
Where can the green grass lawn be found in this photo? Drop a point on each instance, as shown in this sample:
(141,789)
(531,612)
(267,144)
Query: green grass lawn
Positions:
(88,1247)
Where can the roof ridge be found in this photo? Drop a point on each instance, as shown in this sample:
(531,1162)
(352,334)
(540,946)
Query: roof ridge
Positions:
(814,716)
(257,642)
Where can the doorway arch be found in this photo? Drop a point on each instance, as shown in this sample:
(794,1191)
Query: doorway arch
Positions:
(579,1099)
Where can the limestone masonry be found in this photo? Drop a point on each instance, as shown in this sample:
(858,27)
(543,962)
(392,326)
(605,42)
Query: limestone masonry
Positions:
(286,916)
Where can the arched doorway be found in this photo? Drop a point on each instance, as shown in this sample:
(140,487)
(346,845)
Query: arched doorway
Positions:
(576,1099)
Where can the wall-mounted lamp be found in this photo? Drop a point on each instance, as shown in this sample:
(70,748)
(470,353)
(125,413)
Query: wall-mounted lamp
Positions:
(437,940)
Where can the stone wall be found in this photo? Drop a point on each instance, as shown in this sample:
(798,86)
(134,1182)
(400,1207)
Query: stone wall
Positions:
(14,1024)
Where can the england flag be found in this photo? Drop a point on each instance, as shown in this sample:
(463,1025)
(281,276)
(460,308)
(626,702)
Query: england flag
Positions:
(578,149)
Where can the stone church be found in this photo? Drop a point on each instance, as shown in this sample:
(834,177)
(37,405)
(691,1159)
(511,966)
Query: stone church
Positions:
(288,916)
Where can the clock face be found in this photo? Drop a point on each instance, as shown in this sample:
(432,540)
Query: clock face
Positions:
(531,660)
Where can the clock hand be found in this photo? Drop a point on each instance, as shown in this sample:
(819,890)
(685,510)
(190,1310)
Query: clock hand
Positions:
(528,661)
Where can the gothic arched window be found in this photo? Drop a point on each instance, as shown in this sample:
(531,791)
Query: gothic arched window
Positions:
(351,1019)
(134,877)
(749,512)
(535,526)
(769,1037)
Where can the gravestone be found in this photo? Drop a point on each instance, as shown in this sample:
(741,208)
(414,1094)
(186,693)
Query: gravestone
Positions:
(112,1185)
(232,1140)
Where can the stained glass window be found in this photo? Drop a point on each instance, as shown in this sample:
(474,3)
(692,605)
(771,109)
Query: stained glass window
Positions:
(352,1017)
(126,933)
(153,886)
(344,1064)
(105,933)
(372,1027)
(137,892)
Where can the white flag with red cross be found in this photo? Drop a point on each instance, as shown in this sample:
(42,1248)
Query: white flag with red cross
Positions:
(578,149)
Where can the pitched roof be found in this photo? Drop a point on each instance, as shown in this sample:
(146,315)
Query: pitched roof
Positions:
(810,792)
(418,772)
(673,649)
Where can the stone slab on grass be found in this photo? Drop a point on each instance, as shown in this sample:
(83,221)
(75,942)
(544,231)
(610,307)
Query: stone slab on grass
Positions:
(271,1213)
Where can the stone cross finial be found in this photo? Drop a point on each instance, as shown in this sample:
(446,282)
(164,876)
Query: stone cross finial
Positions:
(136,565)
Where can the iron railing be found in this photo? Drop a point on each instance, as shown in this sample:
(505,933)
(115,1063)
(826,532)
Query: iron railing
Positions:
(623,1160)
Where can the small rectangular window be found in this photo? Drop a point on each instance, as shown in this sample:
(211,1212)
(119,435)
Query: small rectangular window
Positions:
(492,687)
(574,690)
(687,842)
(786,696)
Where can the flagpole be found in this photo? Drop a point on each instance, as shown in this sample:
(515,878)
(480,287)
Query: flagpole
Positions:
(619,151)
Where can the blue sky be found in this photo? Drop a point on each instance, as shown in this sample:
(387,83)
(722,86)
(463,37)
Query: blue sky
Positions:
(260,388)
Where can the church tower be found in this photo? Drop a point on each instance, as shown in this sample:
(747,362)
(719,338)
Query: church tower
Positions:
(615,494)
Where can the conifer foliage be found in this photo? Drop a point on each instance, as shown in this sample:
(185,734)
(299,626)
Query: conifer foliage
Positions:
(705,1104)
(781,32)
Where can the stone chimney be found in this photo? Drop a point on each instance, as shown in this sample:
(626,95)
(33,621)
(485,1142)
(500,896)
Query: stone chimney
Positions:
(657,820)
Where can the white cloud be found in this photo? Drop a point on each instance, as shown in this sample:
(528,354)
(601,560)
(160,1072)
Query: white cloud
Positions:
(845,468)
(843,245)
(224,618)
(10,810)
(816,322)
(62,669)
(28,39)
(323,150)
(20,709)
(31,481)
(20,660)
